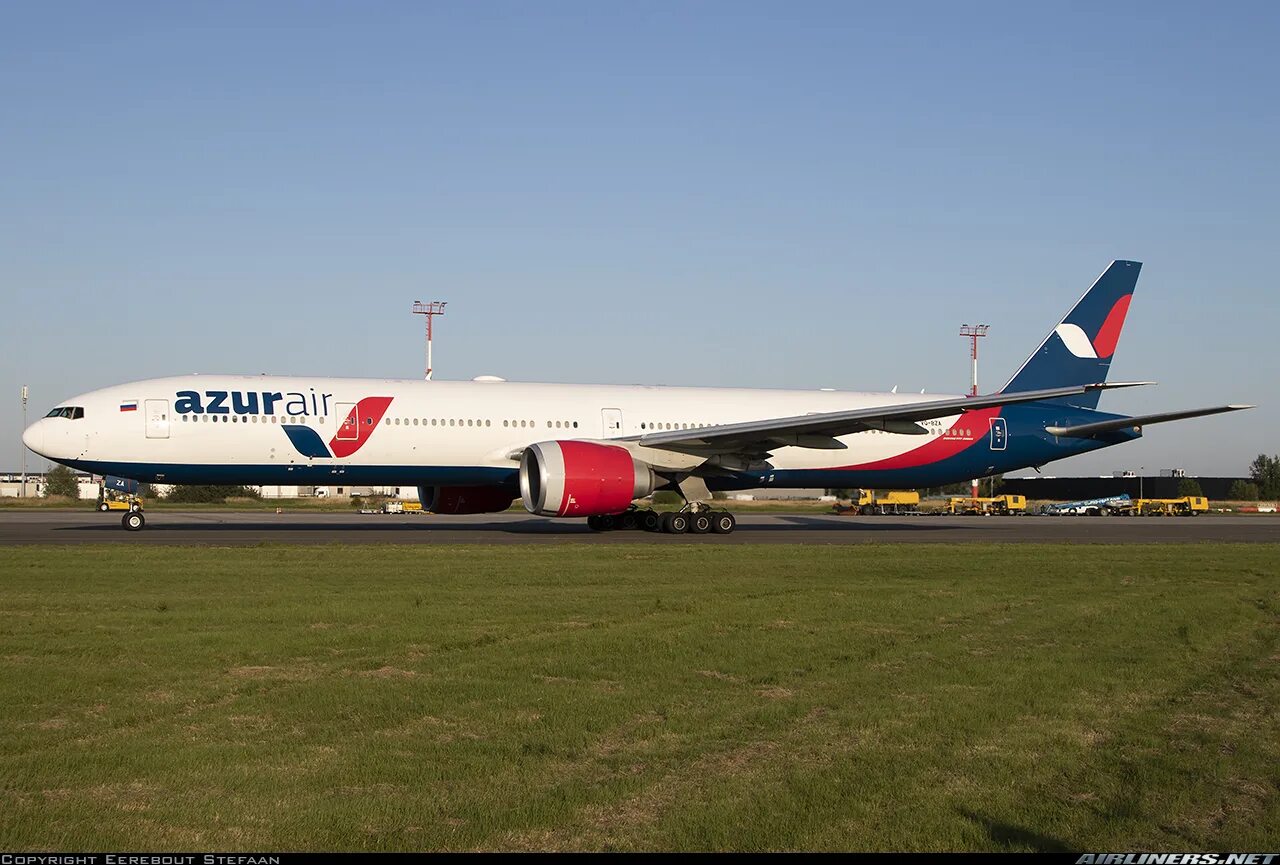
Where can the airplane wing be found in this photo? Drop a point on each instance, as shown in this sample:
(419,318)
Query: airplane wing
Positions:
(1088,430)
(819,430)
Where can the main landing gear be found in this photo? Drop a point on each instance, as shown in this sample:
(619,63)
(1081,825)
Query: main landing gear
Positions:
(701,521)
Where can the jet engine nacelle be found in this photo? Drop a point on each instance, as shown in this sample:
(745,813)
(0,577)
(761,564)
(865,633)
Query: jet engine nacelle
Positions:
(581,479)
(465,500)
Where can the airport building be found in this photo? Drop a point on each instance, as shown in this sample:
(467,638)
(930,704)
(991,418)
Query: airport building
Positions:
(11,485)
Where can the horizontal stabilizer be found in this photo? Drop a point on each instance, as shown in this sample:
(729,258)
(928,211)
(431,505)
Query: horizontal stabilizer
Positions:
(1088,430)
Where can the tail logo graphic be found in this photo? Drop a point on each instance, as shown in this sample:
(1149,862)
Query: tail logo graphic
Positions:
(353,431)
(1104,344)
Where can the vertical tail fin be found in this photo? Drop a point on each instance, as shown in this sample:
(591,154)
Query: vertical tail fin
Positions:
(1079,349)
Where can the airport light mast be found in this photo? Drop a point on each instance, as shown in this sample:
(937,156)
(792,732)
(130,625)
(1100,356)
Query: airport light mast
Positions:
(24,444)
(974,332)
(430,309)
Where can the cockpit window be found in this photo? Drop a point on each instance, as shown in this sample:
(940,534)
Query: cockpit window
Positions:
(68,411)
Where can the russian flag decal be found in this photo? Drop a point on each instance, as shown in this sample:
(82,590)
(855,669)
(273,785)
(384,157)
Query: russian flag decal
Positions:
(132,405)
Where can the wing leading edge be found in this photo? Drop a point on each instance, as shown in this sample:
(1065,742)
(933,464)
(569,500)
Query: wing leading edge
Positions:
(819,430)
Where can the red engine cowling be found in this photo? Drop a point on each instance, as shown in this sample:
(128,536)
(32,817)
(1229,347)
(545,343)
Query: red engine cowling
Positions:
(581,479)
(465,500)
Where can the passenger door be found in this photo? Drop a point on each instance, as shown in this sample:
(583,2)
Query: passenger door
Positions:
(349,424)
(157,412)
(999,433)
(612,420)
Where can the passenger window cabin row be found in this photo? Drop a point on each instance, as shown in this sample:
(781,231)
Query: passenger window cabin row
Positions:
(77,412)
(231,418)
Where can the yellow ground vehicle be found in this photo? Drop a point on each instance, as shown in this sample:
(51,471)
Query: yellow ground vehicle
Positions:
(118,494)
(892,502)
(1186,506)
(1005,505)
(399,507)
(120,505)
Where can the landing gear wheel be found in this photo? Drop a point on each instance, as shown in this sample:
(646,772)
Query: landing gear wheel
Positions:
(651,521)
(700,523)
(723,523)
(597,523)
(104,507)
(133,521)
(675,524)
(628,521)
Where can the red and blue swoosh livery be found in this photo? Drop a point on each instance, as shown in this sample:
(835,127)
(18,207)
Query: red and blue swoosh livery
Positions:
(354,430)
(978,443)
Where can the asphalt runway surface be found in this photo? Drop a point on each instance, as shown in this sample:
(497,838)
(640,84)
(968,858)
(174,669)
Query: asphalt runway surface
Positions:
(252,527)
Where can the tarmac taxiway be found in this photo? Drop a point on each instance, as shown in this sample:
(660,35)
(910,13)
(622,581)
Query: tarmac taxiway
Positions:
(251,527)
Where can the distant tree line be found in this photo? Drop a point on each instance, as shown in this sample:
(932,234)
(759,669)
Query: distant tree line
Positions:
(61,481)
(1244,491)
(1265,472)
(1189,487)
(202,494)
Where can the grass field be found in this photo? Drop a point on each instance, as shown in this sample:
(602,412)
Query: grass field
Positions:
(603,697)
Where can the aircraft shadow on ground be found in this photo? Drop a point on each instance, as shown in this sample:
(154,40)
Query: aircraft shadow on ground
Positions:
(830,525)
(1006,836)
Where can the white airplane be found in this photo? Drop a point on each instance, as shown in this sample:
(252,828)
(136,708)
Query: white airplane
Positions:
(591,450)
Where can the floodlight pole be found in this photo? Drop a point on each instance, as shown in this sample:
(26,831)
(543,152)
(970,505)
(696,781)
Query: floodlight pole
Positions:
(975,332)
(430,310)
(24,444)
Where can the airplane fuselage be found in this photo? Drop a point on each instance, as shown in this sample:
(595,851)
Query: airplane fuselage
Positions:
(317,431)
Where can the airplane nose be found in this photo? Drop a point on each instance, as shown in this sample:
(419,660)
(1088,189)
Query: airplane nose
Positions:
(33,437)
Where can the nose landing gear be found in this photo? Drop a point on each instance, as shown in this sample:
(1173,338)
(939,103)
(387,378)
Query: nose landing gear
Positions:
(133,521)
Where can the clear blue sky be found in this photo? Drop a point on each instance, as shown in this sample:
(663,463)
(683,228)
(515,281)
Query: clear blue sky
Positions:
(726,193)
